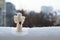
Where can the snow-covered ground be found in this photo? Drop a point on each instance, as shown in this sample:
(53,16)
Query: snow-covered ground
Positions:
(35,33)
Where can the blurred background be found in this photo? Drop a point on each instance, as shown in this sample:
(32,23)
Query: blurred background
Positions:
(38,13)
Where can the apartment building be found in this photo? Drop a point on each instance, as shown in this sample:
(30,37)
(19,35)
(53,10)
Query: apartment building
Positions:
(2,13)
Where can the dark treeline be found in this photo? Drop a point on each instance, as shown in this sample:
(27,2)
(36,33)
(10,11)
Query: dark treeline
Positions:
(34,19)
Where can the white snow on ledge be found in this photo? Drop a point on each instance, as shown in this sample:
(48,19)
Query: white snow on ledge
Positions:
(35,33)
(23,33)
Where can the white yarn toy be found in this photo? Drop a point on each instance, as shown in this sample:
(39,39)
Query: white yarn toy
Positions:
(19,20)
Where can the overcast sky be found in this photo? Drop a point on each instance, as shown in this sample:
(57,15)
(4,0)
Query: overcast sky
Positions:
(35,4)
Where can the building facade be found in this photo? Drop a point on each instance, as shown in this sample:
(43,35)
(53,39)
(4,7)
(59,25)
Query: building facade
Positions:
(46,9)
(2,13)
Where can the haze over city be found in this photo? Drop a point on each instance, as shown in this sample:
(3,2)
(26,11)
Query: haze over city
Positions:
(35,4)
